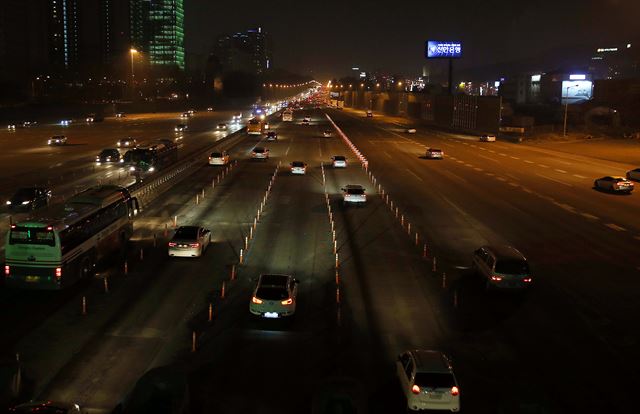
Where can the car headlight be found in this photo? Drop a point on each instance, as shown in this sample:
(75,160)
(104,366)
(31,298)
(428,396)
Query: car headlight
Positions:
(151,169)
(121,160)
(49,142)
(8,202)
(24,203)
(132,168)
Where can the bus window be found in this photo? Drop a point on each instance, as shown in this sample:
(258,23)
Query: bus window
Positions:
(24,235)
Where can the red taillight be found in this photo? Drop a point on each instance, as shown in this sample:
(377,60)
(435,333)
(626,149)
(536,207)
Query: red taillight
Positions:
(415,389)
(455,391)
(527,280)
(496,278)
(287,301)
(50,228)
(194,245)
(7,270)
(58,272)
(172,244)
(256,300)
(13,226)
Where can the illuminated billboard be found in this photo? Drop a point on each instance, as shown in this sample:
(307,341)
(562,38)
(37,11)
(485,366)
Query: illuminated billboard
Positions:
(440,50)
(576,91)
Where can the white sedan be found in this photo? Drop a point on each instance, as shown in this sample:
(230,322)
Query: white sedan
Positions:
(275,296)
(189,241)
(633,174)
(434,153)
(298,167)
(487,138)
(339,161)
(613,183)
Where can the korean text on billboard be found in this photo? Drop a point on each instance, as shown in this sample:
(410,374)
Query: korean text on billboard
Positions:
(436,49)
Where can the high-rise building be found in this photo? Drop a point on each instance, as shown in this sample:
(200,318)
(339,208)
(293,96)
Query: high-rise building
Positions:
(166,43)
(249,51)
(63,30)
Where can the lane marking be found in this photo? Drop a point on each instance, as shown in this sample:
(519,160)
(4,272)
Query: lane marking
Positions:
(554,180)
(615,227)
(589,216)
(560,171)
(468,165)
(565,207)
(503,154)
(414,174)
(579,176)
(543,166)
(513,184)
(529,162)
(490,174)
(491,151)
(478,169)
(502,179)
(515,158)
(387,154)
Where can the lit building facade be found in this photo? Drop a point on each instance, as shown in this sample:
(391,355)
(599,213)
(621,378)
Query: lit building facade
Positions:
(166,41)
(249,51)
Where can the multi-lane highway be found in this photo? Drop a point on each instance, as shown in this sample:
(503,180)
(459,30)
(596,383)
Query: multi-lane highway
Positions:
(559,348)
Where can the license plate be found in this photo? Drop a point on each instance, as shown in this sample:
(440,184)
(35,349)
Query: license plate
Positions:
(32,279)
(437,396)
(271,314)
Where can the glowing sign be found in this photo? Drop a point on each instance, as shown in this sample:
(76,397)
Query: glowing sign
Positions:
(535,78)
(577,77)
(573,92)
(436,49)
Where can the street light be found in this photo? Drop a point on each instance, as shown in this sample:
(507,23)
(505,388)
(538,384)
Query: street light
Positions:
(132,52)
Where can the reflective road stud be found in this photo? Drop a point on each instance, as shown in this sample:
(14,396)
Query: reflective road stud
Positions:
(84,305)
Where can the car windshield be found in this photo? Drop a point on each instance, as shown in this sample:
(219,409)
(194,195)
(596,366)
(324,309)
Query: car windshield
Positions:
(512,267)
(272,293)
(24,193)
(186,233)
(434,380)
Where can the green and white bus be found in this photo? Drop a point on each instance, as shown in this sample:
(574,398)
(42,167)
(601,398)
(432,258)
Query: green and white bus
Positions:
(63,243)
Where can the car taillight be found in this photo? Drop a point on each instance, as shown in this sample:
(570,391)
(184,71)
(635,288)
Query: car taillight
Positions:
(455,391)
(194,245)
(527,280)
(7,270)
(58,272)
(287,301)
(415,389)
(256,300)
(172,244)
(496,278)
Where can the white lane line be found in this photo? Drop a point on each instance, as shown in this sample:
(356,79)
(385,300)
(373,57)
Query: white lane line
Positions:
(543,166)
(527,190)
(514,184)
(589,216)
(615,227)
(503,154)
(502,179)
(478,169)
(515,158)
(489,174)
(460,162)
(567,207)
(554,180)
(528,162)
(482,149)
(468,165)
(579,176)
(414,174)
(491,151)
(453,158)
(447,144)
(560,171)
(387,154)
(320,150)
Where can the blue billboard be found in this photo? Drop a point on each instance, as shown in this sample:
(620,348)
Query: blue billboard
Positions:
(450,50)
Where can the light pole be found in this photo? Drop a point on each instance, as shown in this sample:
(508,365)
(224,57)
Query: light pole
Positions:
(566,109)
(132,52)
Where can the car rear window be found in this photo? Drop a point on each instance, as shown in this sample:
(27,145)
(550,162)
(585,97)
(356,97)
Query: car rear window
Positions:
(434,380)
(258,150)
(187,233)
(512,267)
(297,164)
(272,293)
(355,191)
(216,154)
(339,158)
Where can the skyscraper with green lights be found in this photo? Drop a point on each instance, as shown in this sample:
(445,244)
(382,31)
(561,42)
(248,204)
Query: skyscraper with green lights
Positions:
(166,43)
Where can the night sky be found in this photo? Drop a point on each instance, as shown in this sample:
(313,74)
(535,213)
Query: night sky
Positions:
(326,38)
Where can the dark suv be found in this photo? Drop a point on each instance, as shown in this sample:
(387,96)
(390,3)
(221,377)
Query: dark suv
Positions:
(30,198)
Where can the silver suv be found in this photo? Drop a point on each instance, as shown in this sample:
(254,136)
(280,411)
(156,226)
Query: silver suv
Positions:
(427,381)
(502,267)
